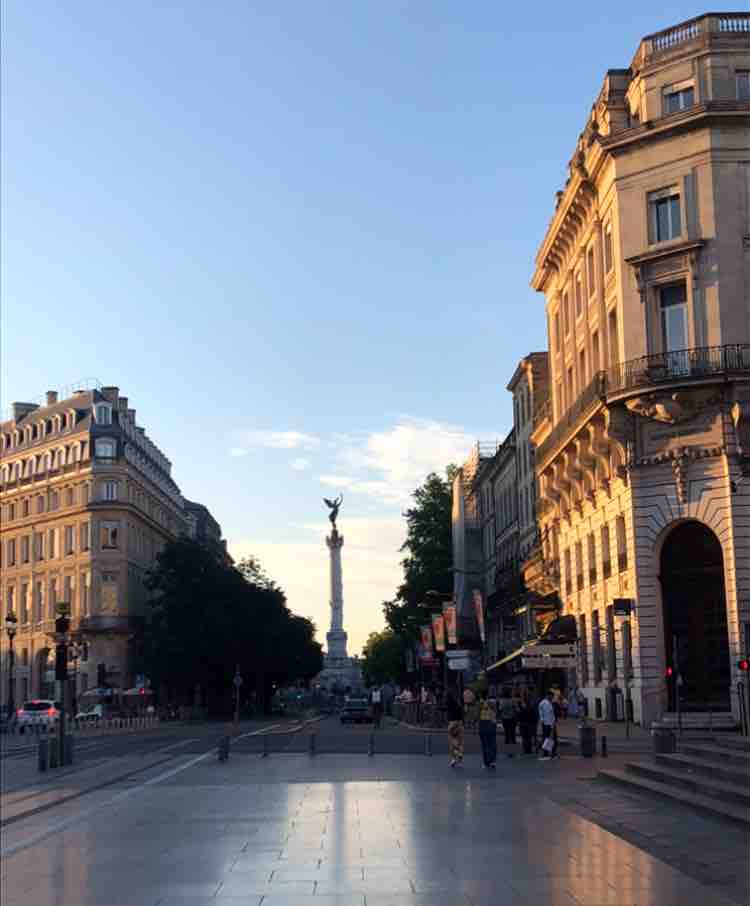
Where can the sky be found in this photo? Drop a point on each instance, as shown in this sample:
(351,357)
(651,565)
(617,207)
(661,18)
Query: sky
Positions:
(298,237)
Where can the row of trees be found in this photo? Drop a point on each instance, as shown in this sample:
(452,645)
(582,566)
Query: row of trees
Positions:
(427,568)
(207,616)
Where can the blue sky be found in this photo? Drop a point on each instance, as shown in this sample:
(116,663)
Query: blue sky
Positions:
(298,236)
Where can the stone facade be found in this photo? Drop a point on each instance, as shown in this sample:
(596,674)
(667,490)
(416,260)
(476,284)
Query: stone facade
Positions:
(645,268)
(87,502)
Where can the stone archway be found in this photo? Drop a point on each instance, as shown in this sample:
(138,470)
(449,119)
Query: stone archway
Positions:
(696,638)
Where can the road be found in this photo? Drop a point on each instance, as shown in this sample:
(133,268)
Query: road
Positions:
(343,826)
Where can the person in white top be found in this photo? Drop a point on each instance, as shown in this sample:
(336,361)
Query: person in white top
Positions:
(376,700)
(549,733)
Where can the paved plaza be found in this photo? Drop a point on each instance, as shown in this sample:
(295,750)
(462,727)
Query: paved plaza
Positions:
(389,830)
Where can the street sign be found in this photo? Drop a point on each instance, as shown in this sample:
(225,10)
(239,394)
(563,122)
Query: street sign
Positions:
(458,653)
(457,663)
(534,662)
(237,681)
(566,649)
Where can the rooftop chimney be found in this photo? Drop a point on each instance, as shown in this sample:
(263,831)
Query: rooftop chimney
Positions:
(131,415)
(51,397)
(122,404)
(20,410)
(110,394)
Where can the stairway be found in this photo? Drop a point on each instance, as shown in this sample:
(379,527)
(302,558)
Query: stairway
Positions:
(713,721)
(711,775)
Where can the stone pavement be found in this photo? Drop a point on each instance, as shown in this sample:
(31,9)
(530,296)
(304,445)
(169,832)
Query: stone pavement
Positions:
(393,830)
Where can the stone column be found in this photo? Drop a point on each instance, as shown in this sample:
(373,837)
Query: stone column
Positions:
(336,637)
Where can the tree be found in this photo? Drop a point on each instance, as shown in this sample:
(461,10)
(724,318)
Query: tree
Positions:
(429,549)
(206,617)
(383,658)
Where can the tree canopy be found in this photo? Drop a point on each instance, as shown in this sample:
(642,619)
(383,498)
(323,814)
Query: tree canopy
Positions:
(429,555)
(383,658)
(207,616)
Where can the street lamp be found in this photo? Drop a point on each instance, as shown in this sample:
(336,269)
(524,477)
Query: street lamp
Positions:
(10,628)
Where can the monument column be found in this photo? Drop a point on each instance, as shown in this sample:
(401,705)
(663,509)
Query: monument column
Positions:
(336,637)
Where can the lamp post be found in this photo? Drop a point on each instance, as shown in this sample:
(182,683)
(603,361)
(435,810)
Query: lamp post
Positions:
(10,628)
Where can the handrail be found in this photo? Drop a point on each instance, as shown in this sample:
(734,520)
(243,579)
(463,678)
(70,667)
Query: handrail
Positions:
(678,365)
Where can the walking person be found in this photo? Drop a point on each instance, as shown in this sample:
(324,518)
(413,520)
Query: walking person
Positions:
(549,729)
(376,701)
(508,715)
(455,714)
(488,730)
(527,721)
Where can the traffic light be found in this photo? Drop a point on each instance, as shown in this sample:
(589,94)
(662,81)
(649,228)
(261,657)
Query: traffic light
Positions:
(61,663)
(743,665)
(669,672)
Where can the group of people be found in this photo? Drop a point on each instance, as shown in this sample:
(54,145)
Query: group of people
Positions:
(516,711)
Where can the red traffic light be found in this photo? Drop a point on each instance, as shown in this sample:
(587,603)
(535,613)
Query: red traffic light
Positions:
(743,665)
(668,672)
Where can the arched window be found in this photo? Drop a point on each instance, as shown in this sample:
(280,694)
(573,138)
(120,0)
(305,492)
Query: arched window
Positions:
(105,448)
(48,427)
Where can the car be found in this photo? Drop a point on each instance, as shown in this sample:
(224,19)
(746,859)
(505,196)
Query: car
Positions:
(93,715)
(356,711)
(38,712)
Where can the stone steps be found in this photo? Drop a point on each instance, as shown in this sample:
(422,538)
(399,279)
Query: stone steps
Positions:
(719,721)
(709,775)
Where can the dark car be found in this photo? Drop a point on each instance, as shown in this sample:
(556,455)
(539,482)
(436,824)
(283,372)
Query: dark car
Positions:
(356,711)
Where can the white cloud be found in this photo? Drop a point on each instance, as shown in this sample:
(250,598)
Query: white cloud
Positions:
(279,440)
(237,451)
(336,481)
(299,465)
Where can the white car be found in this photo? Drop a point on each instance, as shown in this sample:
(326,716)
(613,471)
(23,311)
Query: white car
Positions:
(37,712)
(96,714)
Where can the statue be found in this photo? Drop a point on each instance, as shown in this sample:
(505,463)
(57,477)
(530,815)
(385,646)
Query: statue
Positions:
(334,506)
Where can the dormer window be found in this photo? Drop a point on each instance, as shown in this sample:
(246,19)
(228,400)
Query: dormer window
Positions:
(678,97)
(105,448)
(103,414)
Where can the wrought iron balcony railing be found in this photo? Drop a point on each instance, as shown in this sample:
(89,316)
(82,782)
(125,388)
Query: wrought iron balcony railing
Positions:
(593,394)
(677,366)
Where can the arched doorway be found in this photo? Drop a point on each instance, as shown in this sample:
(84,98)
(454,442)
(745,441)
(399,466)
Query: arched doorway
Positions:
(696,639)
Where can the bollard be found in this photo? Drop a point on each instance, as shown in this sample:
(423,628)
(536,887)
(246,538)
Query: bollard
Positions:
(604,746)
(69,749)
(42,755)
(224,748)
(428,744)
(54,751)
(371,745)
(265,746)
(312,743)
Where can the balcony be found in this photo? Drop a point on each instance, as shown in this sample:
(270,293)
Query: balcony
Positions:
(702,31)
(590,400)
(680,366)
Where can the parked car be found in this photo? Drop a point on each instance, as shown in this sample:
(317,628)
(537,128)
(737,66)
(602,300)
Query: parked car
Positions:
(356,711)
(93,715)
(38,712)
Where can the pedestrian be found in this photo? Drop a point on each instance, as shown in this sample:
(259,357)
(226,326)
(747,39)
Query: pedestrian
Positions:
(573,703)
(488,730)
(508,715)
(469,707)
(376,701)
(549,731)
(455,714)
(527,721)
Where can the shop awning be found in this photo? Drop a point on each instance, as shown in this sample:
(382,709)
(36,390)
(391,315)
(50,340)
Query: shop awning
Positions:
(505,660)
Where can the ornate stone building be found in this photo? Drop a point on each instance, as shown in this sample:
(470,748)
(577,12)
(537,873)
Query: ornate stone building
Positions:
(643,455)
(87,501)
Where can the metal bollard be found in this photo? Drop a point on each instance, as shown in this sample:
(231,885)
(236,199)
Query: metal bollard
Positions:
(428,744)
(312,743)
(69,749)
(604,746)
(42,754)
(224,748)
(53,757)
(371,745)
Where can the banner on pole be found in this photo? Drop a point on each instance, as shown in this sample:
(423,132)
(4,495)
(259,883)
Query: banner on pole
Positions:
(449,618)
(479,611)
(426,641)
(438,631)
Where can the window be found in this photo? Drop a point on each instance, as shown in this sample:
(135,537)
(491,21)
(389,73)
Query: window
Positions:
(26,507)
(68,591)
(566,313)
(85,593)
(674,326)
(109,490)
(54,500)
(606,555)
(568,576)
(52,544)
(24,603)
(627,651)
(558,332)
(11,594)
(105,448)
(69,539)
(69,497)
(85,533)
(608,256)
(25,549)
(571,387)
(579,295)
(103,415)
(52,599)
(592,559)
(682,99)
(622,547)
(743,86)
(579,566)
(40,504)
(611,649)
(591,270)
(582,367)
(11,511)
(665,215)
(595,363)
(85,493)
(583,647)
(560,400)
(614,338)
(12,553)
(108,534)
(38,602)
